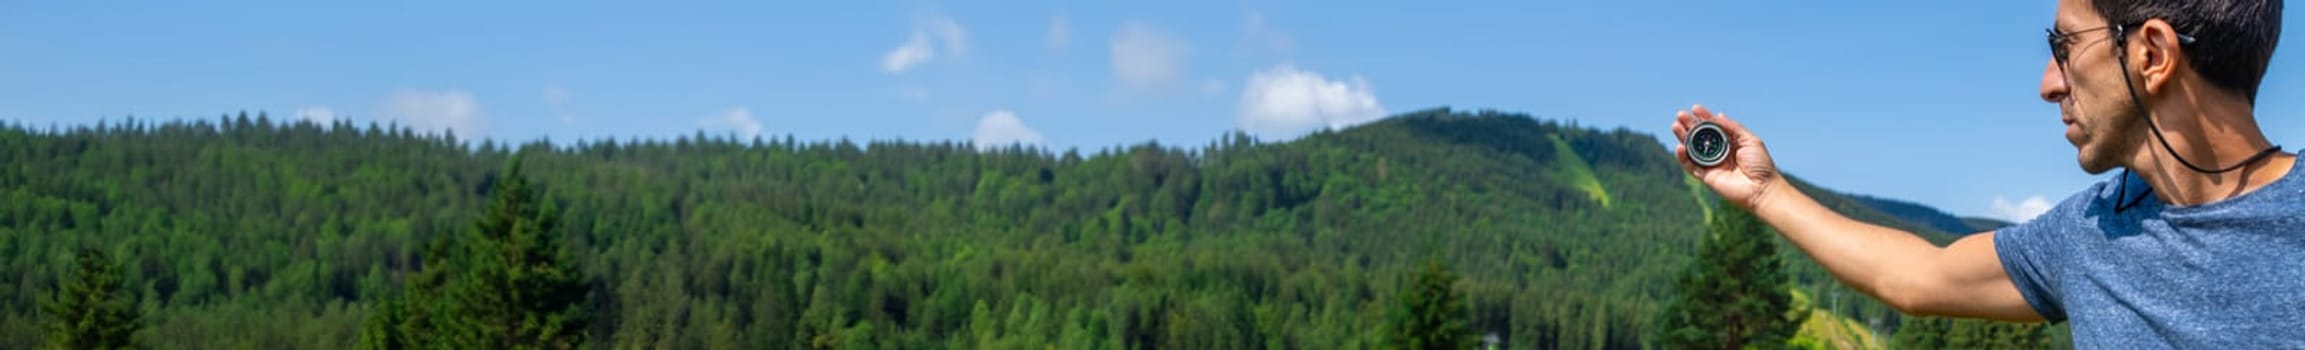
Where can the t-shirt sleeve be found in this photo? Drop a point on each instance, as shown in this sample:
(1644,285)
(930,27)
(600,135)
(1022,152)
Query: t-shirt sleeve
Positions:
(2030,253)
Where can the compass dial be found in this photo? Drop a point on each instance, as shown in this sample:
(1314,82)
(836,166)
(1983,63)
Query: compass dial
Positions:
(1708,145)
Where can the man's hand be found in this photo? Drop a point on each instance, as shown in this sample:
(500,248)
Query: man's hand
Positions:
(1745,176)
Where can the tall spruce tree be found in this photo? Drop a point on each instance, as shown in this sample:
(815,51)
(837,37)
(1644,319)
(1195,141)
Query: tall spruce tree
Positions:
(1430,314)
(91,310)
(506,284)
(1735,295)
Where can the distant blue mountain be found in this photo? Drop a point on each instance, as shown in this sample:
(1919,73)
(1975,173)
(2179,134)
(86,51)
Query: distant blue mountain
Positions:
(1931,217)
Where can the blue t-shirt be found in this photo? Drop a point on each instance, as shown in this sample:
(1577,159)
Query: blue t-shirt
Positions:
(2223,275)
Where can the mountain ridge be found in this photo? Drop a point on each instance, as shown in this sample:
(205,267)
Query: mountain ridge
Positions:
(233,224)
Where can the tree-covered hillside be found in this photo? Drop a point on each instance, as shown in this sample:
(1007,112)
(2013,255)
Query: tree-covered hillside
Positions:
(246,232)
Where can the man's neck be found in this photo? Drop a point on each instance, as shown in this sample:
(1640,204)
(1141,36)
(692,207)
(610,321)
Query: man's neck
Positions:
(2212,136)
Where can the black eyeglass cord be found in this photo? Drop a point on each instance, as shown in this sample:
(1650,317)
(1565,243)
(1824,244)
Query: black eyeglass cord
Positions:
(2119,34)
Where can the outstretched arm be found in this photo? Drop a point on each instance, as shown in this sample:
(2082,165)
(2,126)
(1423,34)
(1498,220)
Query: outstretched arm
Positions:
(1964,279)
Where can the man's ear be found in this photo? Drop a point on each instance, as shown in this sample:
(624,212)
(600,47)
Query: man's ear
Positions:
(2157,53)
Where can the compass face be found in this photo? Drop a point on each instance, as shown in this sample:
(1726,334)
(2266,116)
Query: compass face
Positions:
(1708,146)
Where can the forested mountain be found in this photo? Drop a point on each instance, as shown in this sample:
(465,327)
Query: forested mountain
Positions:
(245,232)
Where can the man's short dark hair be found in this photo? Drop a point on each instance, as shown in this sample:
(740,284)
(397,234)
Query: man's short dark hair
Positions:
(2234,38)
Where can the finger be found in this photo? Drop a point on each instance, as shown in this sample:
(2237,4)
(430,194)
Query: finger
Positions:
(1700,112)
(1743,137)
(1682,122)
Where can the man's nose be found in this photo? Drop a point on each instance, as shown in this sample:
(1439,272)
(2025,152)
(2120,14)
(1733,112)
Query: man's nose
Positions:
(2054,86)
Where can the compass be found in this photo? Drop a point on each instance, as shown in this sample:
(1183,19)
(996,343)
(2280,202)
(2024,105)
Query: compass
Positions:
(1708,145)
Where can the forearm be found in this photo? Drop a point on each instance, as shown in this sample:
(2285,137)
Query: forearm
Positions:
(1876,260)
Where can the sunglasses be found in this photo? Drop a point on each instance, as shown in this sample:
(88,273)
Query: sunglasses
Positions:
(2061,42)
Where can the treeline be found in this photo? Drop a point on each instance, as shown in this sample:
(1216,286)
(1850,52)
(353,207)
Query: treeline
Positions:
(245,232)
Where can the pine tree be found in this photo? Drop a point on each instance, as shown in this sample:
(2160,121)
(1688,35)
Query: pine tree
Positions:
(520,290)
(506,284)
(1430,314)
(1735,295)
(92,311)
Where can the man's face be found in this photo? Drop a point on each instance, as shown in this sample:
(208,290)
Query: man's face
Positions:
(2100,120)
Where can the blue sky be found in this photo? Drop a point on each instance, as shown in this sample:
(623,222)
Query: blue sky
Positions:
(1928,101)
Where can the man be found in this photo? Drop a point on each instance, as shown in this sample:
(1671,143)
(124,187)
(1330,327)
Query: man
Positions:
(2200,243)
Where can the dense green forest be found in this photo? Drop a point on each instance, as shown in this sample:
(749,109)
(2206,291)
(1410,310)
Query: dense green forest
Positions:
(248,232)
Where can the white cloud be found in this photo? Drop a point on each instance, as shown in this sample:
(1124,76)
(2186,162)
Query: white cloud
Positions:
(1001,128)
(318,115)
(2020,211)
(1059,33)
(738,120)
(913,53)
(920,48)
(436,111)
(1284,101)
(1144,57)
(948,32)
